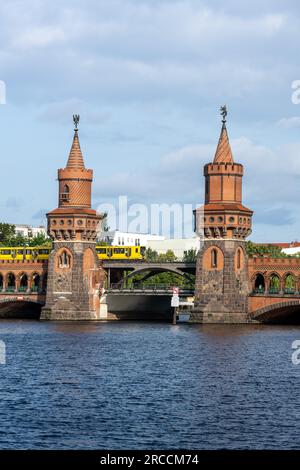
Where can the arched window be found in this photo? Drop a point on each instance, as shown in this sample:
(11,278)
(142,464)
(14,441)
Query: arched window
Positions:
(36,279)
(238,259)
(214,258)
(23,283)
(64,260)
(274,284)
(259,284)
(65,194)
(11,282)
(289,284)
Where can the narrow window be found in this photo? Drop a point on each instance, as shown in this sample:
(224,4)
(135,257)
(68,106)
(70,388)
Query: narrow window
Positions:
(214,258)
(239,259)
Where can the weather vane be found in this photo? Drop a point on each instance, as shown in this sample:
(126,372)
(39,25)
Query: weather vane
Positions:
(223,112)
(76,119)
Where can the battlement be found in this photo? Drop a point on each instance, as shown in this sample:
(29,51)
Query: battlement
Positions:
(234,169)
(26,262)
(72,173)
(266,261)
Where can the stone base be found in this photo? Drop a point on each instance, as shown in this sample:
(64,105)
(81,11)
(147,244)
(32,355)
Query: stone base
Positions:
(68,315)
(200,316)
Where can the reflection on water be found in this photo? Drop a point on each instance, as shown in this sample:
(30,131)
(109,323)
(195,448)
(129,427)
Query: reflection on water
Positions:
(148,385)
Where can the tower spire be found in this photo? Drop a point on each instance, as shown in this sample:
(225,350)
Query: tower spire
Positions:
(223,153)
(75,160)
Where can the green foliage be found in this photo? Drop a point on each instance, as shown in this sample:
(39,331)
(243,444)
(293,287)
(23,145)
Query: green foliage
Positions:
(8,237)
(7,232)
(39,240)
(163,278)
(190,255)
(274,282)
(153,256)
(289,282)
(259,250)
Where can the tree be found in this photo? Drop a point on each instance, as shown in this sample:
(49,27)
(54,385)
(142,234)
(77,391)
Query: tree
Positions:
(151,255)
(190,255)
(39,239)
(272,251)
(7,232)
(168,257)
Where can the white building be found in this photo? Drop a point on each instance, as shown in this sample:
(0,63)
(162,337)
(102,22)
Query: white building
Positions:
(115,237)
(291,251)
(179,246)
(30,231)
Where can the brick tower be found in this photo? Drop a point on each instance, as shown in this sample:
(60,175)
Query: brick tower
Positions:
(74,272)
(221,270)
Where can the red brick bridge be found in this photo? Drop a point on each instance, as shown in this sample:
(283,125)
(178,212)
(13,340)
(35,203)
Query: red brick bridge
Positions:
(22,287)
(274,286)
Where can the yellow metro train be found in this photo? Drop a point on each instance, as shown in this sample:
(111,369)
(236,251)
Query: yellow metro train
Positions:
(43,252)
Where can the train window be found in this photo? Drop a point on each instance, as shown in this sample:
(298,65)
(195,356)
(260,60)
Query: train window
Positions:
(43,251)
(101,251)
(28,252)
(19,252)
(136,250)
(119,251)
(5,252)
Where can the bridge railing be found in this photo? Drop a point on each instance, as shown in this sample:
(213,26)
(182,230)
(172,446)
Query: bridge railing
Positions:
(148,287)
(273,291)
(21,290)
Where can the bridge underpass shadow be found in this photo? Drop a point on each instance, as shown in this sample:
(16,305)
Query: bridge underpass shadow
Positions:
(284,315)
(20,310)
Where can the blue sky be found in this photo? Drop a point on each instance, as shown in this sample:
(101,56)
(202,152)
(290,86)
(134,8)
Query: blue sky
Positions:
(147,78)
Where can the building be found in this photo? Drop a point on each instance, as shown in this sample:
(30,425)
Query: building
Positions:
(28,231)
(179,246)
(221,291)
(115,237)
(74,270)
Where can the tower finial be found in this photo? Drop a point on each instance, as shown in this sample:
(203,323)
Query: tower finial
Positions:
(223,112)
(76,119)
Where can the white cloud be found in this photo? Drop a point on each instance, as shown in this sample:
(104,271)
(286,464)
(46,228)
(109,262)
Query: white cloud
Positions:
(289,122)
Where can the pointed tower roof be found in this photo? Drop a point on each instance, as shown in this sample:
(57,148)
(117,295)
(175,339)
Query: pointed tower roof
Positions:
(75,160)
(223,153)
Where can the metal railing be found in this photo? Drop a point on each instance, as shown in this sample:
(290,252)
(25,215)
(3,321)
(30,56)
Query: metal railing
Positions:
(274,291)
(149,287)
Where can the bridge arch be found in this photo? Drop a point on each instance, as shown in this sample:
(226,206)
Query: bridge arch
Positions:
(279,312)
(152,271)
(27,308)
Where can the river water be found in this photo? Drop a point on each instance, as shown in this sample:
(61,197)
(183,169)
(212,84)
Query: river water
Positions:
(148,386)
